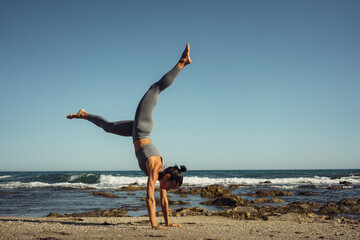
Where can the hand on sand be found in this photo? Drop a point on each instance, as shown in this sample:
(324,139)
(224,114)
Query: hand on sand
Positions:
(174,225)
(158,227)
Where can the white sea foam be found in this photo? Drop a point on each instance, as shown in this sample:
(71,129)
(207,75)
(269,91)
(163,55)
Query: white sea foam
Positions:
(77,176)
(105,181)
(285,182)
(14,185)
(118,181)
(113,182)
(6,176)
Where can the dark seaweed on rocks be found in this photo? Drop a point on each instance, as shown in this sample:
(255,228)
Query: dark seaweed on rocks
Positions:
(106,194)
(193,191)
(116,212)
(132,188)
(271,193)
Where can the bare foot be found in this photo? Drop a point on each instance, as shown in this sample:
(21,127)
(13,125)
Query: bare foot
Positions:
(185,57)
(80,114)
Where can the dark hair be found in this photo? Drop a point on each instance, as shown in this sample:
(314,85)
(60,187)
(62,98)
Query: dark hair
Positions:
(175,174)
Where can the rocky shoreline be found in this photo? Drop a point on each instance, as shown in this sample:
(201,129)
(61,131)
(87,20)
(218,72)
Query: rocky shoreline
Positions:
(268,205)
(261,214)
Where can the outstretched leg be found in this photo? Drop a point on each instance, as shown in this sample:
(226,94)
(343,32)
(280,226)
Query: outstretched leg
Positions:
(122,128)
(144,123)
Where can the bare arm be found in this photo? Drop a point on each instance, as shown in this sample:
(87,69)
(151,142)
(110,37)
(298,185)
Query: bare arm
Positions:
(164,206)
(165,209)
(151,164)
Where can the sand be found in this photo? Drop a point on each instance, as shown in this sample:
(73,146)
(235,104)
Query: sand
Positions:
(199,227)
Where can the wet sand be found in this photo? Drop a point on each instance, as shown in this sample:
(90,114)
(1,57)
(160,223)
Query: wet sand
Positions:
(194,227)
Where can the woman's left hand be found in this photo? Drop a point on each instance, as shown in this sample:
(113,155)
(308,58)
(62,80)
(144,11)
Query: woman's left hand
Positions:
(174,225)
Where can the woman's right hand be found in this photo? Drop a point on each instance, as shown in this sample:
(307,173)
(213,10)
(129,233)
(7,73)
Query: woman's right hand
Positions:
(158,227)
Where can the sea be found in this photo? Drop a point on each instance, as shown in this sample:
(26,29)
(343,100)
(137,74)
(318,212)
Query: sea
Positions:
(36,194)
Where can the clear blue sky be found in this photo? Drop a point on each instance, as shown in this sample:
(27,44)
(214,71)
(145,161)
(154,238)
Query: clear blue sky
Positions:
(273,84)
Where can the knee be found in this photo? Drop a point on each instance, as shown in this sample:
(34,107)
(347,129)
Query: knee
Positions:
(155,87)
(107,128)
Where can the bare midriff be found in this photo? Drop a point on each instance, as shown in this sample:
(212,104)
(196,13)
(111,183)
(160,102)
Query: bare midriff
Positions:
(141,142)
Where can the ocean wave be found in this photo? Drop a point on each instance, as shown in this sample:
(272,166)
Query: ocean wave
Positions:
(6,176)
(15,185)
(294,182)
(102,182)
(84,178)
(109,181)
(116,181)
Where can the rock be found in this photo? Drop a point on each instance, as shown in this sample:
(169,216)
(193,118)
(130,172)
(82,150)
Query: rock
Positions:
(306,186)
(245,209)
(106,194)
(330,208)
(268,182)
(242,212)
(265,200)
(271,193)
(345,183)
(343,209)
(316,217)
(291,207)
(214,191)
(86,188)
(336,187)
(208,202)
(196,211)
(332,178)
(308,193)
(355,209)
(276,200)
(193,191)
(349,201)
(228,200)
(297,217)
(54,214)
(116,212)
(333,219)
(314,205)
(249,212)
(299,207)
(178,203)
(131,188)
(223,196)
(261,200)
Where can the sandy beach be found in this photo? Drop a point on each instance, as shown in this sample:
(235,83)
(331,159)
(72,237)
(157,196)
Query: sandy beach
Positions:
(194,227)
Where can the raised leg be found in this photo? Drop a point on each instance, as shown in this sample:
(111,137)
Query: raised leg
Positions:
(144,123)
(122,128)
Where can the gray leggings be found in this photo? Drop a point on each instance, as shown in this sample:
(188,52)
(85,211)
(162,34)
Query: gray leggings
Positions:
(143,123)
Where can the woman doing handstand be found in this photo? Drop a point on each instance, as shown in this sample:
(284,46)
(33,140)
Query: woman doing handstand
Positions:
(149,158)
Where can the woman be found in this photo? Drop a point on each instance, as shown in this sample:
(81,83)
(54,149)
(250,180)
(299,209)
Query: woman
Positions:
(149,158)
